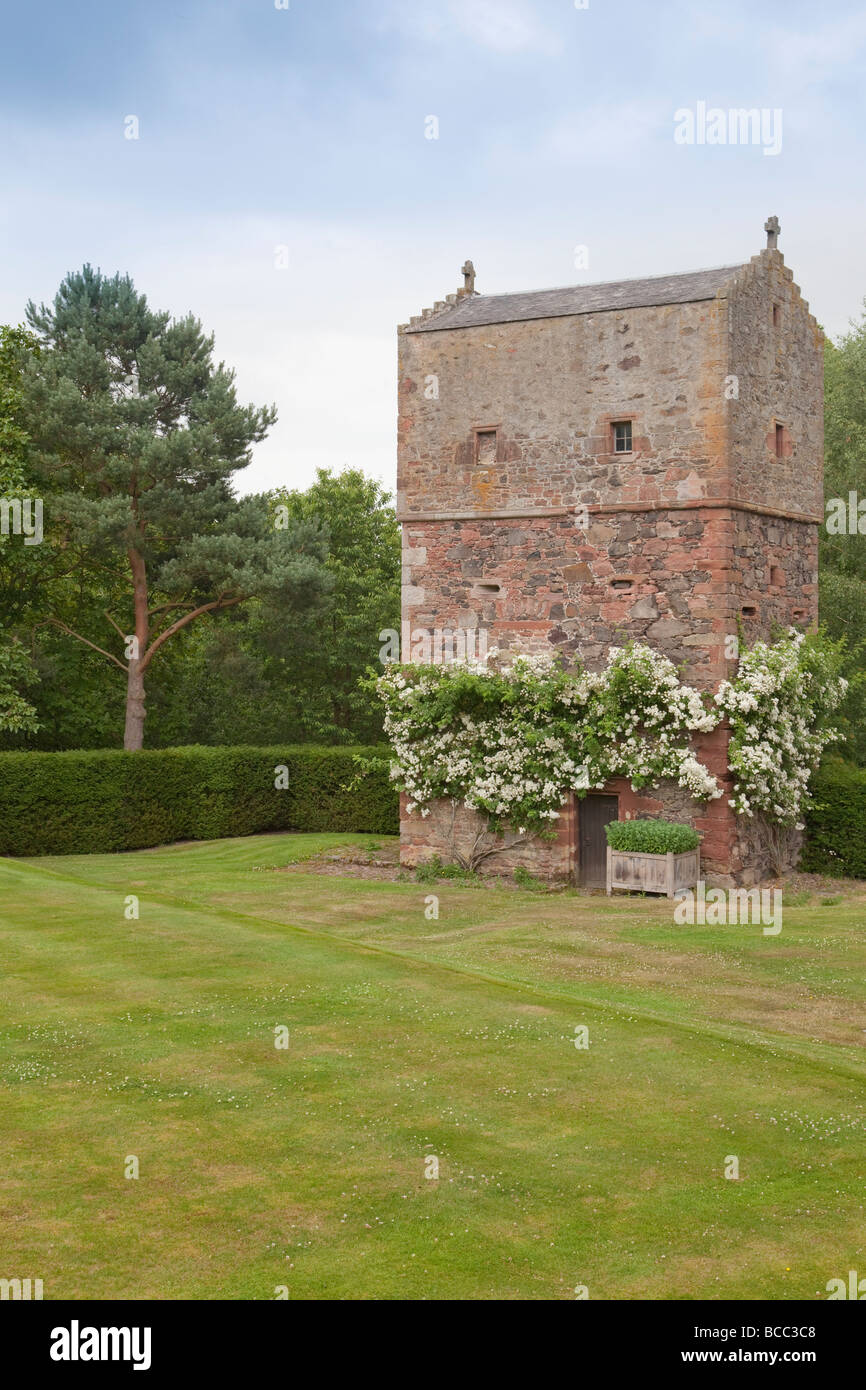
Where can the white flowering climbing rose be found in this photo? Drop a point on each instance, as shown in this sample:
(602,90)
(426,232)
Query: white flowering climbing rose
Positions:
(780,709)
(514,740)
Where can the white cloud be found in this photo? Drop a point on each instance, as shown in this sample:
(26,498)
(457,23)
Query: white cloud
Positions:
(502,26)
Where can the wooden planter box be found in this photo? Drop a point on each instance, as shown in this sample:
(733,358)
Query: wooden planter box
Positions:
(652,873)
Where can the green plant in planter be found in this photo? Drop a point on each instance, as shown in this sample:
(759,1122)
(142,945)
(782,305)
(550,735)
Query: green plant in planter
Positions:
(651,837)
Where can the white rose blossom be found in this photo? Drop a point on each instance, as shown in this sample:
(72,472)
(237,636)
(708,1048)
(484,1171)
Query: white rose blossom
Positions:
(514,741)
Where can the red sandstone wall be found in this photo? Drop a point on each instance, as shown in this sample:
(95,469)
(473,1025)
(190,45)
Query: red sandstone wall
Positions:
(659,555)
(559,585)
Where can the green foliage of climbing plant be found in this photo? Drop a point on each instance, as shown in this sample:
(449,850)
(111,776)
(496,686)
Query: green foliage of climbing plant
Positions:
(513,740)
(782,707)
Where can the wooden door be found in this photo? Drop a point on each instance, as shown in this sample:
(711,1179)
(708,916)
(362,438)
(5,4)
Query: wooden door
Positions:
(595,812)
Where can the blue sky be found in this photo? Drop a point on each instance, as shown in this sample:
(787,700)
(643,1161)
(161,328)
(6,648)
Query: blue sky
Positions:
(306,129)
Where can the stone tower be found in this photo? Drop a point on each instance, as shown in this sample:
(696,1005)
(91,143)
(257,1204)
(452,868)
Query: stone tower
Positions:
(640,459)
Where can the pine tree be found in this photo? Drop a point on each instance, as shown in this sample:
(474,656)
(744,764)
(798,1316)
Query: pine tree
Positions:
(135,434)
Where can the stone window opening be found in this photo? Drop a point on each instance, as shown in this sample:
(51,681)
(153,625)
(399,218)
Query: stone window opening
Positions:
(749,610)
(487,590)
(777,315)
(622,436)
(777,575)
(621,584)
(781,439)
(485,447)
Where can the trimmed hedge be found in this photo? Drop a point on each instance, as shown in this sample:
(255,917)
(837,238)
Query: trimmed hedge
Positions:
(836,823)
(651,836)
(107,800)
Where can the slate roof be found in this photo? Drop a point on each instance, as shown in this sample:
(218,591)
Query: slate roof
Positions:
(474,310)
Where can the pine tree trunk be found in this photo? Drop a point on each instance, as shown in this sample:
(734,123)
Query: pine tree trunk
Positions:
(133,737)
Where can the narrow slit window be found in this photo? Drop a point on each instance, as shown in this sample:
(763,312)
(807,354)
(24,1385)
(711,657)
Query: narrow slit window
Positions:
(622,440)
(777,315)
(780,441)
(485,447)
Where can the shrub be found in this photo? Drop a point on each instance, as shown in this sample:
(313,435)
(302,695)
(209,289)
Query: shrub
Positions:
(836,821)
(651,836)
(106,800)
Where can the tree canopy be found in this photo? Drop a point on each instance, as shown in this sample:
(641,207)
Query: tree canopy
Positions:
(843,555)
(135,435)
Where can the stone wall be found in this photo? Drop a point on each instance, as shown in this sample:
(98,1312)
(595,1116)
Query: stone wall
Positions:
(779,366)
(663,577)
(551,389)
(436,834)
(422,838)
(774,572)
(521,521)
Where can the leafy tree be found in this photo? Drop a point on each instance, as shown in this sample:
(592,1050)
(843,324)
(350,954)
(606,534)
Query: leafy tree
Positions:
(135,435)
(364,565)
(225,688)
(15,346)
(17,715)
(843,556)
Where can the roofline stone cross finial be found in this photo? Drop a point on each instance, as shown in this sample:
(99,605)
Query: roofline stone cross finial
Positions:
(468,272)
(772,228)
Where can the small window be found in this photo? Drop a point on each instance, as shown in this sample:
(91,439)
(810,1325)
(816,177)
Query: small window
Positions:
(780,441)
(777,575)
(621,584)
(485,447)
(483,590)
(749,610)
(622,437)
(777,315)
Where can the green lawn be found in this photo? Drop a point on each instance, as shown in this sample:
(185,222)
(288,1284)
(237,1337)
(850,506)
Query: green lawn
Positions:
(305,1167)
